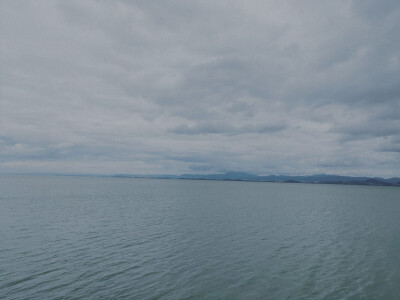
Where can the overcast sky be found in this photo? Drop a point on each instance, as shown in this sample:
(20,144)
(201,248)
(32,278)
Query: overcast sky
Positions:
(150,87)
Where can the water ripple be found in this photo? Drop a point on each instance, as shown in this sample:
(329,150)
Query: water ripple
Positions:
(102,238)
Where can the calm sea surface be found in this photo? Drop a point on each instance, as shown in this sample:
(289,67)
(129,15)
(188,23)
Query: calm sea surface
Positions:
(110,238)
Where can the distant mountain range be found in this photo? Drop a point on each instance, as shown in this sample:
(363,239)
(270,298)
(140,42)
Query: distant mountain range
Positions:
(242,176)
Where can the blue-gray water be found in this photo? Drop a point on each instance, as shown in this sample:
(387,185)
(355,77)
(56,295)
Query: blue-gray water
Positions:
(110,238)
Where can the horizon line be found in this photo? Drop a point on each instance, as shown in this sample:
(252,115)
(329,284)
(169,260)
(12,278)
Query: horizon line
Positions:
(177,175)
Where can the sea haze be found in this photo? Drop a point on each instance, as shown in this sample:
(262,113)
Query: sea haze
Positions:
(108,238)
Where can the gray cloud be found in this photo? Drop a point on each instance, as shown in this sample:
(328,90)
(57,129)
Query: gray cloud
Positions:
(172,87)
(226,129)
(365,130)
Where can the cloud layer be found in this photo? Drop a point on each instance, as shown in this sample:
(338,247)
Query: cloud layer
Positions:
(287,87)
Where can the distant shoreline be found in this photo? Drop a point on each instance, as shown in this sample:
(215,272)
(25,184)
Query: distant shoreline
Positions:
(247,177)
(261,181)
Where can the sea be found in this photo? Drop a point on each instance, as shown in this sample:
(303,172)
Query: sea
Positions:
(127,238)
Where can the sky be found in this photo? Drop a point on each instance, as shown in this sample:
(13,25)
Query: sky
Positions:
(173,87)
